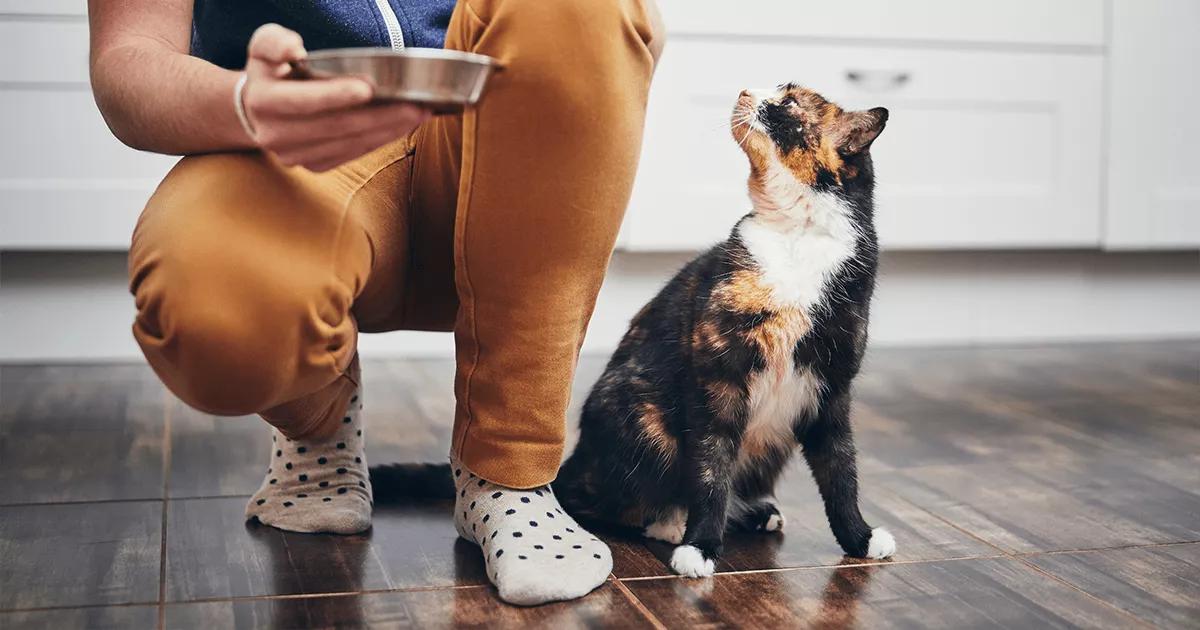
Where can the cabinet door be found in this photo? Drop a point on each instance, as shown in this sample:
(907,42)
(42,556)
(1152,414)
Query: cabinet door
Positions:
(1037,22)
(1154,137)
(983,149)
(65,181)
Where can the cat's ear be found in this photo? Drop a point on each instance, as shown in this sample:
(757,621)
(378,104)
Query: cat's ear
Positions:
(862,130)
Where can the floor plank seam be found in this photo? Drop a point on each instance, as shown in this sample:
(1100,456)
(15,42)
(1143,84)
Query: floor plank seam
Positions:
(1031,554)
(324,595)
(1013,555)
(639,605)
(79,502)
(848,565)
(1072,586)
(166,499)
(35,609)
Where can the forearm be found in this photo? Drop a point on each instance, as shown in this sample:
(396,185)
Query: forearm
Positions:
(157,99)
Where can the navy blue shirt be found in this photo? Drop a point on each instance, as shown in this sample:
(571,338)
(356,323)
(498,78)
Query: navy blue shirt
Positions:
(222,28)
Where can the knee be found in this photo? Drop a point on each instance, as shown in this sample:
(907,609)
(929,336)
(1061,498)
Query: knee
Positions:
(218,361)
(231,338)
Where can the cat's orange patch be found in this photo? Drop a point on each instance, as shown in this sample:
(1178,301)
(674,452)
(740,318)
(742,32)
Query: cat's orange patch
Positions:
(654,430)
(782,326)
(778,335)
(727,400)
(744,292)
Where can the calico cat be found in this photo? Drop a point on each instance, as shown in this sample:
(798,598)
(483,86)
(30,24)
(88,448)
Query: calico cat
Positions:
(748,352)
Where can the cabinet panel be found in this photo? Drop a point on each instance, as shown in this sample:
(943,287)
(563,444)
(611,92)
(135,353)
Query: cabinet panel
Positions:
(44,52)
(1042,22)
(65,181)
(70,8)
(983,149)
(1153,163)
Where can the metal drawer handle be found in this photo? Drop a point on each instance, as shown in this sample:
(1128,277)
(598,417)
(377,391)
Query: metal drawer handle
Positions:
(878,80)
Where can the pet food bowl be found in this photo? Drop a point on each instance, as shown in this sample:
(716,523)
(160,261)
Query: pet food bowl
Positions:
(446,81)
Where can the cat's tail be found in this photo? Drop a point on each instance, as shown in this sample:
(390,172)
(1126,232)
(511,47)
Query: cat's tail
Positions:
(395,483)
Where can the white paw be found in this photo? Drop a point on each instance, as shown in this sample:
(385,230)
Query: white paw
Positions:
(775,523)
(668,530)
(689,561)
(882,545)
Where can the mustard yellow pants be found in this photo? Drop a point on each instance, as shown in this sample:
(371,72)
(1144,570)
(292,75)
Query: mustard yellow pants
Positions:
(252,280)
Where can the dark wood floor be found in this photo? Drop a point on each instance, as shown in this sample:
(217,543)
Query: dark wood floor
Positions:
(1027,487)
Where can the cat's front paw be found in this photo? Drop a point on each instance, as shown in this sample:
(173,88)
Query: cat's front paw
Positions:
(881,545)
(689,561)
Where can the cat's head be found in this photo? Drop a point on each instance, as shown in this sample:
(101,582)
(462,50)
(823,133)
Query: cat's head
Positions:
(794,132)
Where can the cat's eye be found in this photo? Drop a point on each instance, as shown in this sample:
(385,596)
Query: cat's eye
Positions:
(788,101)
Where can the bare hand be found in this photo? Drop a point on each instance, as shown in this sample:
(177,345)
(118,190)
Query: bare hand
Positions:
(320,123)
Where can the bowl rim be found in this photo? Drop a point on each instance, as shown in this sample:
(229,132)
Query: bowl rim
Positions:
(406,53)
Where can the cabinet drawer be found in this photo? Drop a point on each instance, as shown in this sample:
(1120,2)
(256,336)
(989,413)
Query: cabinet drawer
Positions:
(38,51)
(983,149)
(1039,22)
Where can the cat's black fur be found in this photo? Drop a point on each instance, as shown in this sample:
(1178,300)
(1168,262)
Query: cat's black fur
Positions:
(662,431)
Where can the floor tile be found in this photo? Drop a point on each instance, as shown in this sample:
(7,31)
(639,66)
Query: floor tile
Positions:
(1158,584)
(470,607)
(216,456)
(80,433)
(807,540)
(634,558)
(417,546)
(999,593)
(1061,505)
(213,553)
(95,618)
(1159,372)
(79,554)
(923,432)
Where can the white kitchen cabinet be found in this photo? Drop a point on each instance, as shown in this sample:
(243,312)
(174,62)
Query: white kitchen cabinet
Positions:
(68,8)
(984,149)
(1154,125)
(972,22)
(65,182)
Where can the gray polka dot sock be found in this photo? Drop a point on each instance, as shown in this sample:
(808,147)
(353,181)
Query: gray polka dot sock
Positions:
(317,486)
(533,551)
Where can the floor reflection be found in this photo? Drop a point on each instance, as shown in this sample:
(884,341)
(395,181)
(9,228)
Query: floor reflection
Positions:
(307,562)
(842,594)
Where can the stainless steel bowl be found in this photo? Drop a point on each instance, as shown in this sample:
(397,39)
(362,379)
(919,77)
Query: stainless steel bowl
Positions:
(444,80)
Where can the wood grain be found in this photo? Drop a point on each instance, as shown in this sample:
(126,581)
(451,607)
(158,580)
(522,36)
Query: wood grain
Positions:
(212,552)
(80,433)
(79,554)
(471,607)
(965,453)
(100,618)
(1063,504)
(1158,584)
(956,594)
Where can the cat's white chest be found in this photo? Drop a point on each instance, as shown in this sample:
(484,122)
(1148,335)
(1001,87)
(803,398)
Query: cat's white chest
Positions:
(797,255)
(799,250)
(778,397)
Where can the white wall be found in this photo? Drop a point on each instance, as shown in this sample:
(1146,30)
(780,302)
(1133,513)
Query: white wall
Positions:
(74,307)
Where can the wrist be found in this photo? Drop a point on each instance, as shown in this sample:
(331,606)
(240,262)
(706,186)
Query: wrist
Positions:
(239,109)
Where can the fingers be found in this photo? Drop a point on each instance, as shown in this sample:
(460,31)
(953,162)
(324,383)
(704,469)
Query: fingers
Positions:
(314,123)
(305,98)
(400,118)
(391,122)
(271,46)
